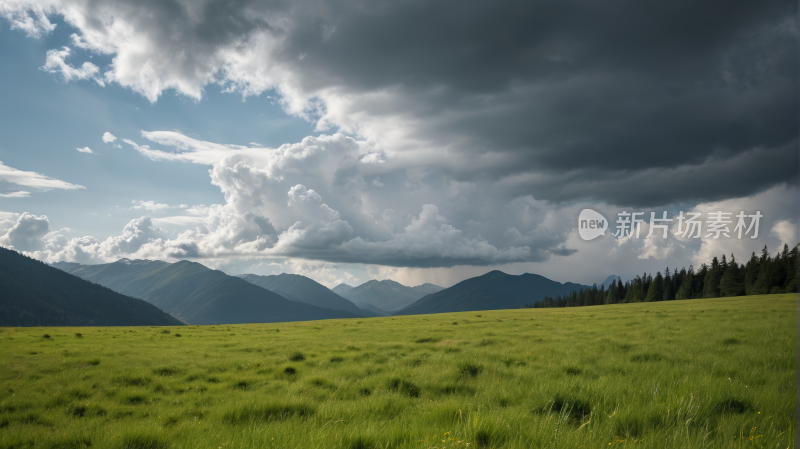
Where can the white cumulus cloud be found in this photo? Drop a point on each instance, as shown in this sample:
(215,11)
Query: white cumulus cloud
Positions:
(55,64)
(29,18)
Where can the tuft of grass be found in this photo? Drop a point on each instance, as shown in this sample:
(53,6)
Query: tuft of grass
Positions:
(134,381)
(142,442)
(268,413)
(242,385)
(135,399)
(647,357)
(166,371)
(456,389)
(427,340)
(71,443)
(361,443)
(470,370)
(573,408)
(483,439)
(404,387)
(733,406)
(171,421)
(35,418)
(297,357)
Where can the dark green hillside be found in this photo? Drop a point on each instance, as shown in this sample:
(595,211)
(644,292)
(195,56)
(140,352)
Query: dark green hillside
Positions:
(35,294)
(199,295)
(493,290)
(303,289)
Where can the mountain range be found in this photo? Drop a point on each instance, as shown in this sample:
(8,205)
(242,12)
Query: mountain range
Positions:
(300,288)
(493,290)
(199,295)
(36,294)
(386,295)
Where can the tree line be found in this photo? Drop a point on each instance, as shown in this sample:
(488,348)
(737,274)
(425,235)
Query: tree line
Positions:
(761,275)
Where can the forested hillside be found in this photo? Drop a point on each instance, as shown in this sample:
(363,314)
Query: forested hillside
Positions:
(761,275)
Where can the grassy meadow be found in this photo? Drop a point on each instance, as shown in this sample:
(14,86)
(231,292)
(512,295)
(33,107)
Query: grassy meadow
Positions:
(682,374)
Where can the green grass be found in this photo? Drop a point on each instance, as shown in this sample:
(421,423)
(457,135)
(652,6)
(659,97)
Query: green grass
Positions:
(698,373)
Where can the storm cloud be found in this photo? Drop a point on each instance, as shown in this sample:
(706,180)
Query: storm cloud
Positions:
(611,90)
(457,133)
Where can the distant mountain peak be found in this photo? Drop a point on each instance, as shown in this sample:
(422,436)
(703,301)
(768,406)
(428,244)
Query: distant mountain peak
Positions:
(299,288)
(609,280)
(386,294)
(341,289)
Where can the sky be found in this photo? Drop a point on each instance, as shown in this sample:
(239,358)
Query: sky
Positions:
(417,141)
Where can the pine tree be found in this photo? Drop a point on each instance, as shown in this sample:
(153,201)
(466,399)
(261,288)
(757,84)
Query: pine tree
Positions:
(777,271)
(612,297)
(637,295)
(761,286)
(600,296)
(699,280)
(751,274)
(732,282)
(656,290)
(669,288)
(685,290)
(791,271)
(711,280)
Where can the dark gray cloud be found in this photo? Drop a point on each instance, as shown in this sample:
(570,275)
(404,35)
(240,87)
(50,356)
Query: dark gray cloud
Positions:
(607,90)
